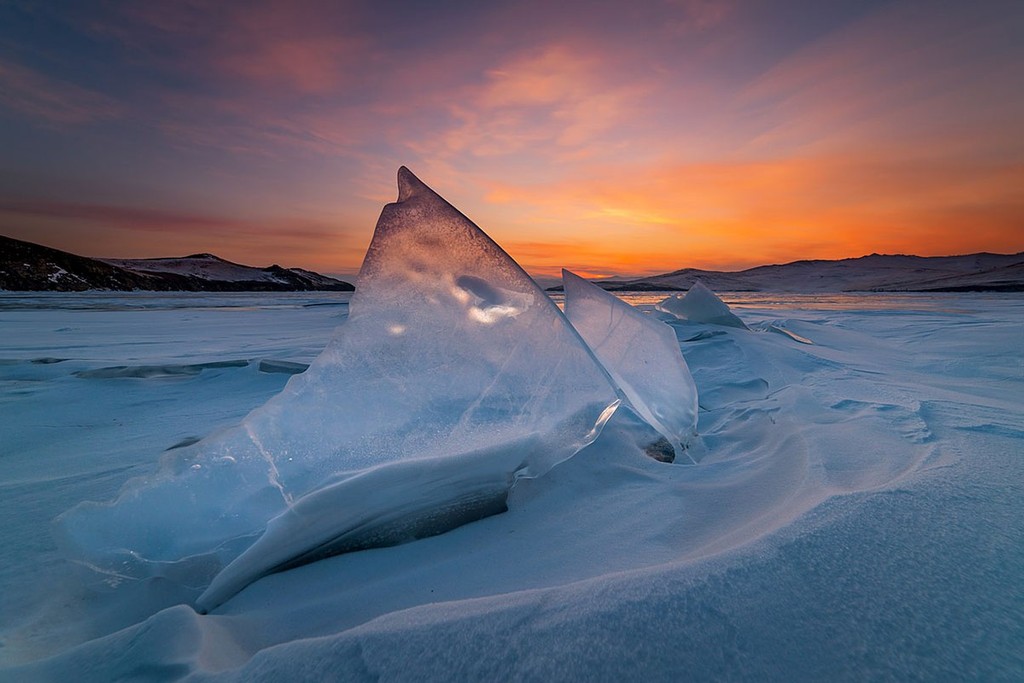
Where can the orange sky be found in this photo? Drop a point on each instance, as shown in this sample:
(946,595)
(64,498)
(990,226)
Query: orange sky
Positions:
(618,138)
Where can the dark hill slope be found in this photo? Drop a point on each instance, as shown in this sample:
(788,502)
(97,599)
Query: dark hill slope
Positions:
(25,266)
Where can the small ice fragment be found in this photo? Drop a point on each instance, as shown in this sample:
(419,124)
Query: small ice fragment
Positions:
(781,329)
(700,305)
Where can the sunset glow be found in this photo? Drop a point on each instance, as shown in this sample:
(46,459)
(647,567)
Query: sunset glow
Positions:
(613,138)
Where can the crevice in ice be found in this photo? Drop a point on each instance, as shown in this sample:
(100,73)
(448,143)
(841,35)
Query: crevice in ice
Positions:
(283,367)
(273,476)
(157,371)
(187,441)
(662,450)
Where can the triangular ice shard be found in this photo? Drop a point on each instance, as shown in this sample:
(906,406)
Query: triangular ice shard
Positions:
(640,353)
(453,375)
(701,305)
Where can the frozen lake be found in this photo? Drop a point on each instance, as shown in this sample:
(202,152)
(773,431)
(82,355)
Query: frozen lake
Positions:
(858,511)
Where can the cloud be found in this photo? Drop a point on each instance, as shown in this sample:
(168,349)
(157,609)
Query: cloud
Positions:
(635,138)
(699,15)
(543,101)
(125,216)
(903,77)
(895,132)
(307,47)
(305,65)
(741,214)
(38,96)
(136,232)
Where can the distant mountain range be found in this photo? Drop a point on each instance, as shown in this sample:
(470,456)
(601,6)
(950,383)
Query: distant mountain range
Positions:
(25,266)
(982,272)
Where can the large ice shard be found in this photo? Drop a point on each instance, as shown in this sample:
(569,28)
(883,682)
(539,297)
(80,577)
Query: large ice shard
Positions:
(641,354)
(453,375)
(701,305)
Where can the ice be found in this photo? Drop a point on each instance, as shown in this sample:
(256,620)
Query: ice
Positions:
(641,354)
(453,376)
(701,305)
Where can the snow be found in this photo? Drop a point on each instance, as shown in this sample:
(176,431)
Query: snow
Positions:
(57,274)
(701,305)
(856,510)
(642,356)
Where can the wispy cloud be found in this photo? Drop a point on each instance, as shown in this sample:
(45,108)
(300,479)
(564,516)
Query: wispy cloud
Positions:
(308,47)
(57,102)
(545,101)
(134,217)
(699,15)
(132,231)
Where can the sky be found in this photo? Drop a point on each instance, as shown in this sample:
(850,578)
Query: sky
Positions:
(606,137)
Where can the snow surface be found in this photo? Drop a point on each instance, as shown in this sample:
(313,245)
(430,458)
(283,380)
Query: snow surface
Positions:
(642,356)
(857,513)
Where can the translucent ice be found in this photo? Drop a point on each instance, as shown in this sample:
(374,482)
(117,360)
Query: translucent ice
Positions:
(701,305)
(642,356)
(453,375)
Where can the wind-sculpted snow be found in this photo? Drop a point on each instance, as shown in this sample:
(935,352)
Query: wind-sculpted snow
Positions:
(779,327)
(701,305)
(452,362)
(601,567)
(642,356)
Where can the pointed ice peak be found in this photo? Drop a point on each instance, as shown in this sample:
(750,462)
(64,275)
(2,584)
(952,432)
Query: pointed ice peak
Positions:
(642,356)
(409,185)
(701,305)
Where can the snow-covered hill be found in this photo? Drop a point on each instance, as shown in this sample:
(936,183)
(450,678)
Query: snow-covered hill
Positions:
(874,273)
(25,266)
(212,268)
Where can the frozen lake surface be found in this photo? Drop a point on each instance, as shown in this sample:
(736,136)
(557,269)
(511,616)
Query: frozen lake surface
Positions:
(857,511)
